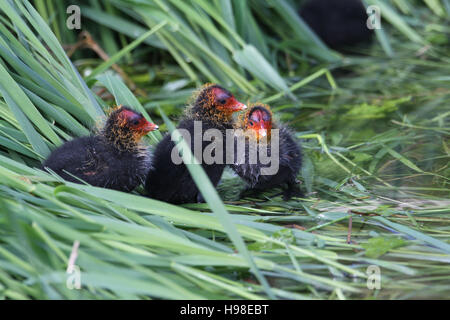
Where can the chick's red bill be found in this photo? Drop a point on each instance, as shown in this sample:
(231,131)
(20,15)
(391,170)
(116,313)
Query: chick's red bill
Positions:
(234,105)
(147,126)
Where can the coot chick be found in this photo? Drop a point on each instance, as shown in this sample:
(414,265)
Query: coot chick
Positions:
(258,131)
(113,158)
(339,23)
(167,181)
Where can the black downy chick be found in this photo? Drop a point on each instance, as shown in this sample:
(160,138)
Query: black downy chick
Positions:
(114,158)
(339,23)
(213,106)
(257,127)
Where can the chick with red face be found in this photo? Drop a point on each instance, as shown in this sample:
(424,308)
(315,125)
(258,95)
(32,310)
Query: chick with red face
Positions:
(213,107)
(256,126)
(259,121)
(114,158)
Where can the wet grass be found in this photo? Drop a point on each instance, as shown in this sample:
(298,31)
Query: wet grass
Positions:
(374,130)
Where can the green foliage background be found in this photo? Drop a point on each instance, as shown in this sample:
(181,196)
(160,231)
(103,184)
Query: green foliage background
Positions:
(374,125)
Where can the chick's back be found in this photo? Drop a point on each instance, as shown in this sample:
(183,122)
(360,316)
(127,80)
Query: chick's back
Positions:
(95,162)
(172,182)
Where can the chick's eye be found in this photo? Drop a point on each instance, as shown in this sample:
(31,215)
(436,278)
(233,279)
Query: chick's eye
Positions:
(251,123)
(222,101)
(135,122)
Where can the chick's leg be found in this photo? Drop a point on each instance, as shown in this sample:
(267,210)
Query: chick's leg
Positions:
(292,190)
